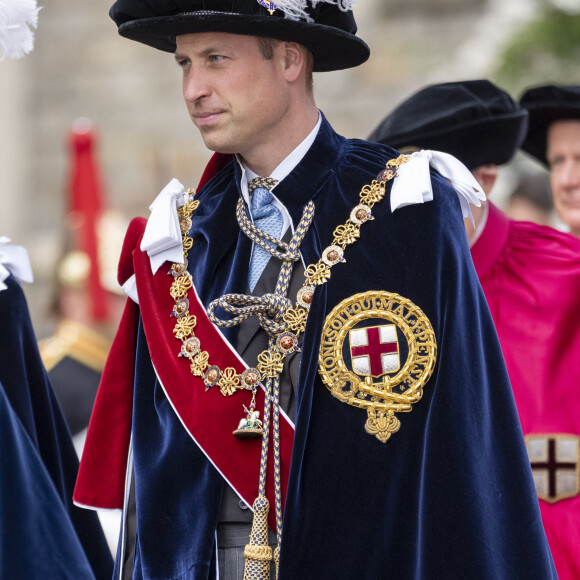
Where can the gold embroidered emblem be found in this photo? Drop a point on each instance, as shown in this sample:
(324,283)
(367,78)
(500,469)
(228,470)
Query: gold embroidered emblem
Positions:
(555,462)
(378,351)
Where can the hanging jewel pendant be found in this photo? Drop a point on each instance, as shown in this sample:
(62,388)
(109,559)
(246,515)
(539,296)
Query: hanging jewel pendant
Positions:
(250,426)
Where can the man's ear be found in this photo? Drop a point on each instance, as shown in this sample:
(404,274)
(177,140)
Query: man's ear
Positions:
(486,176)
(294,60)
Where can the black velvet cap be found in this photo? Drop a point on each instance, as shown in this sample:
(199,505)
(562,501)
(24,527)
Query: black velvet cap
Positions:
(329,34)
(545,105)
(475,121)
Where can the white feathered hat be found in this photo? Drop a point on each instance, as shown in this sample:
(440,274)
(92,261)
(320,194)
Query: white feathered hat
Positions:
(18,19)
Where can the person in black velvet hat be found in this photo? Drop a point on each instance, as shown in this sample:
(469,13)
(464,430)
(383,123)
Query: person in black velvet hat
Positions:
(554,139)
(473,120)
(341,400)
(459,118)
(530,275)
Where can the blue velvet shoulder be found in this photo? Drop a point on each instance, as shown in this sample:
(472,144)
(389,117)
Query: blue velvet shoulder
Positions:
(27,390)
(441,497)
(38,539)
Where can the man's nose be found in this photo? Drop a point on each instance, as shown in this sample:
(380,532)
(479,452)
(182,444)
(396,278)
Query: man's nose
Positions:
(570,175)
(195,86)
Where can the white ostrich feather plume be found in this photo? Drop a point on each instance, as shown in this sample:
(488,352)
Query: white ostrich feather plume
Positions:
(18,19)
(297,9)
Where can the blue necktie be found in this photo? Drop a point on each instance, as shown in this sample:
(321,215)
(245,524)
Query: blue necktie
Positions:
(268,218)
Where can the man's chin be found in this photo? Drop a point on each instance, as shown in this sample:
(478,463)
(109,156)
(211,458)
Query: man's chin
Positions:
(570,215)
(219,147)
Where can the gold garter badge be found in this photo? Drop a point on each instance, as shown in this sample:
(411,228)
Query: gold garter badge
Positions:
(378,351)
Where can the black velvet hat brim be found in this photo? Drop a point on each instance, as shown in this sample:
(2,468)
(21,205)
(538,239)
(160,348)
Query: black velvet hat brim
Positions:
(332,48)
(475,143)
(541,117)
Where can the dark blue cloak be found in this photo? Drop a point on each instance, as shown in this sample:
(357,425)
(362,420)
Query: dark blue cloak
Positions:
(43,535)
(448,496)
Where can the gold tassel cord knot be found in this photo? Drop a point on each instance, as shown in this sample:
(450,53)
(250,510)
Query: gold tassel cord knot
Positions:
(258,553)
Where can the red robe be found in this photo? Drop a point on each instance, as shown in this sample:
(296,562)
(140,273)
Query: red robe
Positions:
(530,275)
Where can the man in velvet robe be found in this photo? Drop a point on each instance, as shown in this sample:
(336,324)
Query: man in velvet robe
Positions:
(530,275)
(42,534)
(441,490)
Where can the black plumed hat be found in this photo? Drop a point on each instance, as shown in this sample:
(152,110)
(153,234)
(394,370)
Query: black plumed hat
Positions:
(545,105)
(475,121)
(326,27)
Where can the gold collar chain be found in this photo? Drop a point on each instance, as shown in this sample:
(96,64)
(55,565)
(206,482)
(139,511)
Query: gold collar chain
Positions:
(271,360)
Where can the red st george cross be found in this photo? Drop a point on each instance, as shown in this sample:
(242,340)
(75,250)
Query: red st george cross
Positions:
(374,349)
(552,465)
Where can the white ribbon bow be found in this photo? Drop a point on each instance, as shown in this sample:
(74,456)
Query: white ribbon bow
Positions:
(162,237)
(13,260)
(413,182)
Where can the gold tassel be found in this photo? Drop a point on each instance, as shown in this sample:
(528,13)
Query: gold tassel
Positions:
(258,553)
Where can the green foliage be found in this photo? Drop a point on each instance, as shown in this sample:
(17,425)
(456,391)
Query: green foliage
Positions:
(546,51)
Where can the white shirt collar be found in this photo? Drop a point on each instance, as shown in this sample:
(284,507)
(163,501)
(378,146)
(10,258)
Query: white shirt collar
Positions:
(284,169)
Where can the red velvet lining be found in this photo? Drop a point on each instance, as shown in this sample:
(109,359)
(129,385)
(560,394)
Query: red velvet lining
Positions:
(130,243)
(101,478)
(208,416)
(217,162)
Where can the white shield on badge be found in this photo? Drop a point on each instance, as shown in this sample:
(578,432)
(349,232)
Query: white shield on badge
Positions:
(374,350)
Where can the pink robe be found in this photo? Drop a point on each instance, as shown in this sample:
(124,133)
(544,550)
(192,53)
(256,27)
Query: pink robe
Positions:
(530,275)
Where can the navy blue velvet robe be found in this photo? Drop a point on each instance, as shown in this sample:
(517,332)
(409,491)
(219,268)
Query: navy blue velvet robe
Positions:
(448,496)
(43,535)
